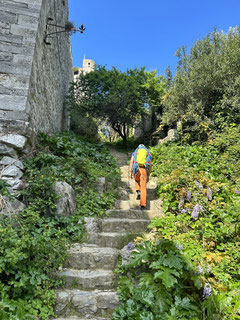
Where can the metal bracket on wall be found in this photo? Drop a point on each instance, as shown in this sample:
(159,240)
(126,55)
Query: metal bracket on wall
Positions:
(69,27)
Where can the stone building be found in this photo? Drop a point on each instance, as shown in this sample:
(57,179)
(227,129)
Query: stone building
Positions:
(34,76)
(88,66)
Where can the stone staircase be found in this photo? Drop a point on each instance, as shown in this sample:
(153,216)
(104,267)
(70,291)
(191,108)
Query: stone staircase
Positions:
(90,291)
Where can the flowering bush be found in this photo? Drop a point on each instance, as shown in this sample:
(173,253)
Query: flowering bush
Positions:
(199,186)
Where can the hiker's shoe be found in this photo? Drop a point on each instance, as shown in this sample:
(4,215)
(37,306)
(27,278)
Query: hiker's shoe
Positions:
(143,208)
(138,195)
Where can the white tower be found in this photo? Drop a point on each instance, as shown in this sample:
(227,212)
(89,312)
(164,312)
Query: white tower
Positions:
(88,66)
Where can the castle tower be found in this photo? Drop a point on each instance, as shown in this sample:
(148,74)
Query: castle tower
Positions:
(88,66)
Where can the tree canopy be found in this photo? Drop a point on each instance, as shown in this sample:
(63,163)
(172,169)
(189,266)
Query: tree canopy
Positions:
(111,95)
(205,91)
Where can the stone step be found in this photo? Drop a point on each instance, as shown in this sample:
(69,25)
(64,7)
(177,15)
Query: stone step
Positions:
(134,204)
(125,180)
(150,195)
(150,205)
(90,256)
(125,193)
(113,239)
(122,204)
(123,225)
(130,194)
(88,279)
(91,303)
(134,214)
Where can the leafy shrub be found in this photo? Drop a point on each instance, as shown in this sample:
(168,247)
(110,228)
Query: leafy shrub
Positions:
(205,91)
(34,243)
(31,252)
(158,283)
(65,157)
(205,176)
(200,188)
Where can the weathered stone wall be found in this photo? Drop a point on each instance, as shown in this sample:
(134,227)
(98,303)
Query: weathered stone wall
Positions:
(34,77)
(18,29)
(51,71)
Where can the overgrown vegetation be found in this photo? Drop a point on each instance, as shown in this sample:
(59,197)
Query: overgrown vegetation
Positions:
(205,92)
(116,98)
(158,283)
(200,188)
(34,242)
(187,266)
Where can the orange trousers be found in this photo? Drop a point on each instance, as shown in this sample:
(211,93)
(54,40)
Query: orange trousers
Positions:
(141,185)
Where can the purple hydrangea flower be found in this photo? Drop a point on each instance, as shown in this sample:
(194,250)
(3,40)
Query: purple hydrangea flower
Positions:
(158,242)
(207,290)
(209,194)
(237,192)
(199,185)
(181,203)
(208,268)
(195,212)
(179,246)
(189,195)
(200,270)
(183,211)
(130,246)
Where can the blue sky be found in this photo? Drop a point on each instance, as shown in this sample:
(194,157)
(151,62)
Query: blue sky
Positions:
(136,33)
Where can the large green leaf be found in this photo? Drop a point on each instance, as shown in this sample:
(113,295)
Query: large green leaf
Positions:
(167,276)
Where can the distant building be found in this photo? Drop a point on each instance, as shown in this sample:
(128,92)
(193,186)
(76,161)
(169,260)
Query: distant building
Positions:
(88,66)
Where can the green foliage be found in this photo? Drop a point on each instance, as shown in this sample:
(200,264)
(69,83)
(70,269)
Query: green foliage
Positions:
(110,95)
(3,188)
(158,283)
(209,176)
(155,87)
(189,175)
(65,157)
(132,144)
(32,250)
(90,203)
(34,243)
(13,310)
(205,92)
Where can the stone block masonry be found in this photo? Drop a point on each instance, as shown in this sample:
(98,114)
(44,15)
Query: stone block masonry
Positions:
(34,77)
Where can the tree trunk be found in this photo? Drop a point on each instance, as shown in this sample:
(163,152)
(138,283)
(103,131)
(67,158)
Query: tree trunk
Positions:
(124,140)
(124,134)
(117,128)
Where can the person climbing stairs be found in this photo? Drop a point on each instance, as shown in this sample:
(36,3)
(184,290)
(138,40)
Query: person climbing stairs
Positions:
(90,289)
